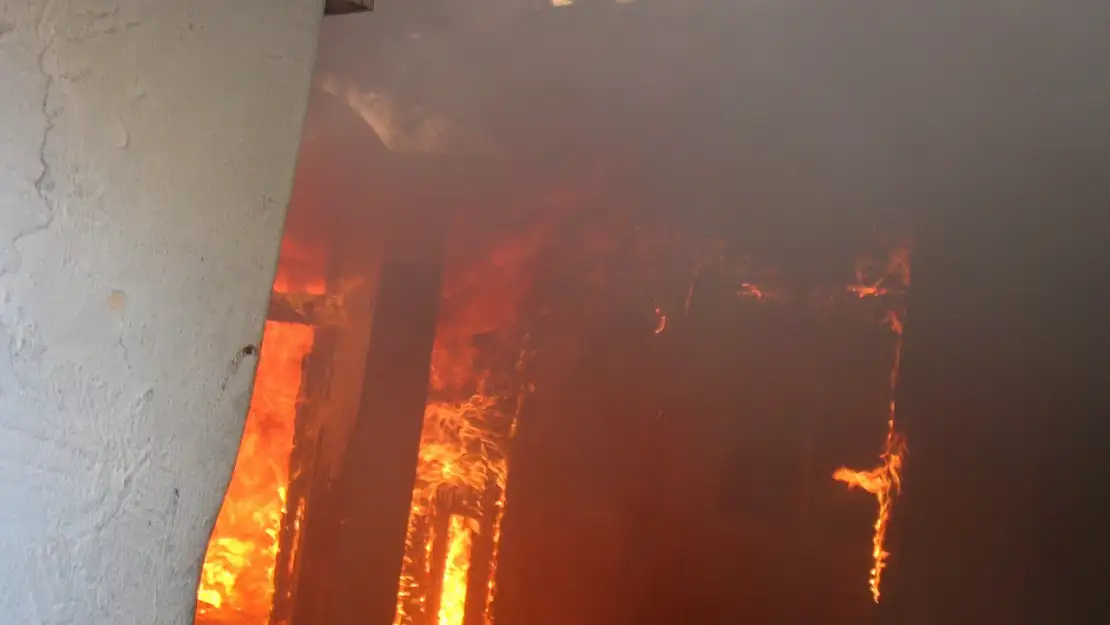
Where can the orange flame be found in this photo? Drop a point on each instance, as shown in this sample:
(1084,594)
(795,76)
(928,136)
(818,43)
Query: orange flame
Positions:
(301,268)
(237,580)
(468,421)
(885,480)
(452,598)
(891,276)
(877,276)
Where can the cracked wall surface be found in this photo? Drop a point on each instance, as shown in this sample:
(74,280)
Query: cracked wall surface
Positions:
(146,158)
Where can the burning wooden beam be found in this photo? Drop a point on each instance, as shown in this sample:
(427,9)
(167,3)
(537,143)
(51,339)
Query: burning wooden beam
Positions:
(305,492)
(320,310)
(374,489)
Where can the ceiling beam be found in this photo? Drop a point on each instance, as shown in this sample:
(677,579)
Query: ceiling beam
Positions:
(343,7)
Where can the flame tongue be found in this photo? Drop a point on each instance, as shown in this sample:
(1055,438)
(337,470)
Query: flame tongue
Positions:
(462,467)
(238,574)
(452,598)
(885,480)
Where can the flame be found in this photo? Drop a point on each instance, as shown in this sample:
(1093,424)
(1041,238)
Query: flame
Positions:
(237,580)
(885,480)
(452,598)
(463,464)
(300,268)
(889,276)
(878,277)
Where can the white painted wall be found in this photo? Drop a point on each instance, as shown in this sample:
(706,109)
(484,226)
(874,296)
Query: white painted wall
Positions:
(146,156)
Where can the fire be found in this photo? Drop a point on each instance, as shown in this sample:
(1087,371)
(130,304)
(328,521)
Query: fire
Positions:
(893,274)
(452,599)
(885,480)
(301,268)
(237,580)
(469,420)
(883,277)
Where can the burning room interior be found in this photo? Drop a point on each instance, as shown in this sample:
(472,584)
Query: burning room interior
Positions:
(562,334)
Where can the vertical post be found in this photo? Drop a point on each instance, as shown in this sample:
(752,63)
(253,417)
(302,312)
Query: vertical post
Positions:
(305,456)
(332,413)
(482,566)
(374,489)
(302,459)
(309,594)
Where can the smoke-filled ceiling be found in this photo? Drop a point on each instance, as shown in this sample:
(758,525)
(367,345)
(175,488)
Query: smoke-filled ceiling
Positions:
(718,111)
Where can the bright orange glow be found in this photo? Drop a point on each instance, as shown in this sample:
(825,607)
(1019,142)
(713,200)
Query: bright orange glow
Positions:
(300,269)
(885,480)
(452,597)
(237,581)
(491,584)
(463,465)
(889,276)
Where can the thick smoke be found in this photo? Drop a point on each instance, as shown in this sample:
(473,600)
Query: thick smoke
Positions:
(795,129)
(806,122)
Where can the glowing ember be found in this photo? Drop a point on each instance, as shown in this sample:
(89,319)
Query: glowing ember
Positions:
(748,289)
(237,581)
(660,321)
(893,278)
(452,598)
(884,481)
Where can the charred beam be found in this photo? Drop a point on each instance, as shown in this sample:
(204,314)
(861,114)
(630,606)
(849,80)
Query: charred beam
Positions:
(344,7)
(309,587)
(303,469)
(322,311)
(374,490)
(288,308)
(482,566)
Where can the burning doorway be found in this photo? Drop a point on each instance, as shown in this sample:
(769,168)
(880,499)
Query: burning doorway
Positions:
(514,310)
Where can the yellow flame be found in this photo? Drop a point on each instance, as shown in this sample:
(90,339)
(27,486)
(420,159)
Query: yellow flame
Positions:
(462,463)
(452,597)
(885,480)
(457,455)
(238,574)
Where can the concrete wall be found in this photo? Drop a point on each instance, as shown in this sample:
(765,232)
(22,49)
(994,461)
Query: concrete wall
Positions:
(146,155)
